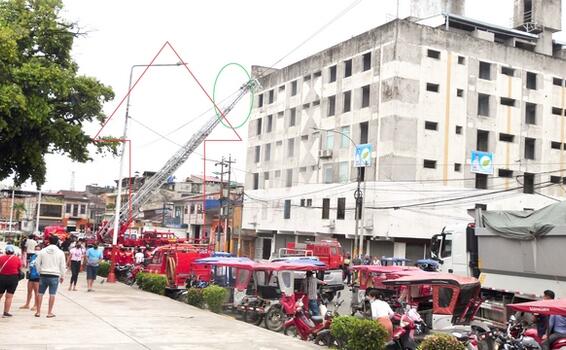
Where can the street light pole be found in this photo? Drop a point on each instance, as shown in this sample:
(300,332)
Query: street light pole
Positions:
(111,274)
(358,196)
(11,210)
(37,216)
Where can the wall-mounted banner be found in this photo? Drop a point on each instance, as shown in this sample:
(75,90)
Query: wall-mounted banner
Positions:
(482,162)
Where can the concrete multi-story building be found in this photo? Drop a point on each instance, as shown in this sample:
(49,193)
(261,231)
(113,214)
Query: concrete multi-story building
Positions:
(425,91)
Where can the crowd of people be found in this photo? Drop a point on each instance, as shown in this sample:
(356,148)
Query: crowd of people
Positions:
(45,265)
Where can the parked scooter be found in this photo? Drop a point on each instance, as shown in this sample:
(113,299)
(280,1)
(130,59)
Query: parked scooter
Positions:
(125,273)
(516,337)
(402,338)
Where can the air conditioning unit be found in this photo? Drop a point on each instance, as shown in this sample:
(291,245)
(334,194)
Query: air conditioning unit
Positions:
(332,223)
(368,223)
(325,153)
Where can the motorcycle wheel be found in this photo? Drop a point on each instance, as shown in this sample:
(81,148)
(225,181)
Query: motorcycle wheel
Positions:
(274,319)
(291,331)
(253,317)
(326,339)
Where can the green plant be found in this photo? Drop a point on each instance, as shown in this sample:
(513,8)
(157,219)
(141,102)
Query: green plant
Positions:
(353,333)
(441,342)
(103,269)
(214,297)
(155,283)
(195,297)
(140,279)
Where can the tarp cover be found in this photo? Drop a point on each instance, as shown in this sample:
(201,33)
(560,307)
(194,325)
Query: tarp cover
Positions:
(525,225)
(543,307)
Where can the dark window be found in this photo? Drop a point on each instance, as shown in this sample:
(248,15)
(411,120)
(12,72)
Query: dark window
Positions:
(507,101)
(292,117)
(267,152)
(260,100)
(257,153)
(458,130)
(317,74)
(457,167)
(433,54)
(266,175)
(557,81)
(332,73)
(530,113)
(291,148)
(309,202)
(483,104)
(347,68)
(444,296)
(287,209)
(485,70)
(331,106)
(364,132)
(556,111)
(365,96)
(53,210)
(68,208)
(326,208)
(460,92)
(431,125)
(271,96)
(293,88)
(429,164)
(507,71)
(255,181)
(482,142)
(529,148)
(269,126)
(366,58)
(282,88)
(289,178)
(461,60)
(529,183)
(505,173)
(347,101)
(306,106)
(531,81)
(315,103)
(432,87)
(307,77)
(506,137)
(555,145)
(302,202)
(341,209)
(258,127)
(555,179)
(481,181)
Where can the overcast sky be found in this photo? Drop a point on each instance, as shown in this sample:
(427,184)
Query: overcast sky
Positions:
(207,35)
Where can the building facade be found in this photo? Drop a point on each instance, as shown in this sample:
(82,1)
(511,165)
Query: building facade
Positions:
(426,94)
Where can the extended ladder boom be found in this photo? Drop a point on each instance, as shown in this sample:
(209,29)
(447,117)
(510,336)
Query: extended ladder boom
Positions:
(145,192)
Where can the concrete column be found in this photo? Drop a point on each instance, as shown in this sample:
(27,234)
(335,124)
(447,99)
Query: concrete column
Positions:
(399,249)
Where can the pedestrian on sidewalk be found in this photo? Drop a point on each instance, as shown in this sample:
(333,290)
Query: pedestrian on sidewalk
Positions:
(139,257)
(93,257)
(30,245)
(10,266)
(51,265)
(33,280)
(76,258)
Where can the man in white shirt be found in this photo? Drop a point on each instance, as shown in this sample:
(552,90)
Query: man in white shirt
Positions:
(381,311)
(139,257)
(50,263)
(31,243)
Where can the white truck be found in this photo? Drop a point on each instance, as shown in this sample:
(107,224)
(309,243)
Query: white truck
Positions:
(516,256)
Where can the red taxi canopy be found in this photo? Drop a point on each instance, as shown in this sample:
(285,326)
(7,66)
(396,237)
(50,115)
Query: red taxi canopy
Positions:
(384,269)
(433,278)
(543,307)
(245,263)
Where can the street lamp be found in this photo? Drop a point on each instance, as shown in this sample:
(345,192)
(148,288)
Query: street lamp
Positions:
(111,275)
(358,196)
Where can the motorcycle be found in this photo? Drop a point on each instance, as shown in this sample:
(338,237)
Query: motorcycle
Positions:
(402,338)
(516,337)
(125,273)
(307,327)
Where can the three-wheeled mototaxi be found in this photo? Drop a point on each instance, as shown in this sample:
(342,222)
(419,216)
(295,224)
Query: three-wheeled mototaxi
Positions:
(264,291)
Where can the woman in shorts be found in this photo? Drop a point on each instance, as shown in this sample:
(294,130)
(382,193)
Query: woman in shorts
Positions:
(33,279)
(10,266)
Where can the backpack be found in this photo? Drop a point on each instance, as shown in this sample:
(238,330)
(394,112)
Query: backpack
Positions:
(33,273)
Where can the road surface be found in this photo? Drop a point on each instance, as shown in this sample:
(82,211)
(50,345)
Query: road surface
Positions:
(116,316)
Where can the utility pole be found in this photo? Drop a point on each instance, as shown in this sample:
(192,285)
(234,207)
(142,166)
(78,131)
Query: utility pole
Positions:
(11,210)
(228,206)
(221,196)
(225,203)
(358,196)
(37,216)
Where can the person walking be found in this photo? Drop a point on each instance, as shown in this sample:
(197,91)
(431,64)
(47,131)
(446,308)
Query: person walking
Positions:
(347,274)
(139,257)
(50,263)
(311,290)
(381,311)
(33,280)
(93,257)
(10,266)
(76,258)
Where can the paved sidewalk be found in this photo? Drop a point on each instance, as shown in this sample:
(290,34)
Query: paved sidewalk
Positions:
(117,316)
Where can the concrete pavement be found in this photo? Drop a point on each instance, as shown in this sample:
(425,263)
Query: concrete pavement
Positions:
(117,316)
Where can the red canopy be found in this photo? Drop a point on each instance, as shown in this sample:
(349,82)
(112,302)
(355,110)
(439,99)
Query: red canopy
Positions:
(543,307)
(432,278)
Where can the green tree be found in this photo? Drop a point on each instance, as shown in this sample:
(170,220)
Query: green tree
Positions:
(44,102)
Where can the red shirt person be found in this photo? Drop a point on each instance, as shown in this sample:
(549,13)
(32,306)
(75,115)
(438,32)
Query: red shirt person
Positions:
(10,266)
